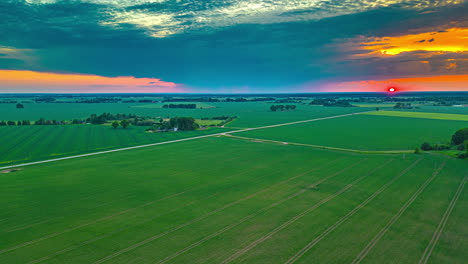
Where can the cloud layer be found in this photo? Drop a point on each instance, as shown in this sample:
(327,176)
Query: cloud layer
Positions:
(210,45)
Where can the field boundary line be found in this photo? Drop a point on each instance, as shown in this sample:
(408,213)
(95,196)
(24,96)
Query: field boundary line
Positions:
(319,238)
(325,147)
(397,216)
(174,141)
(150,239)
(295,218)
(440,228)
(242,220)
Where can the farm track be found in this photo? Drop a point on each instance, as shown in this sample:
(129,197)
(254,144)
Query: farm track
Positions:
(319,238)
(150,239)
(295,218)
(175,141)
(440,228)
(395,218)
(324,147)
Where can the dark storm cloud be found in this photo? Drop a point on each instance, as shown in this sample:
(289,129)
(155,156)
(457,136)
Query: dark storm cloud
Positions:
(102,37)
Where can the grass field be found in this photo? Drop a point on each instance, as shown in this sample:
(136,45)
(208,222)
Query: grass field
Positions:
(443,116)
(19,144)
(250,114)
(224,200)
(364,132)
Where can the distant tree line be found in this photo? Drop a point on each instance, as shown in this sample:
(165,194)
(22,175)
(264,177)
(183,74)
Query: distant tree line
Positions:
(275,108)
(15,123)
(188,106)
(105,117)
(400,105)
(331,102)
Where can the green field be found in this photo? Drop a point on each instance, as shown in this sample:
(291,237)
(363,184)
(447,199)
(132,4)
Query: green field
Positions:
(28,143)
(442,116)
(364,132)
(250,114)
(21,144)
(224,200)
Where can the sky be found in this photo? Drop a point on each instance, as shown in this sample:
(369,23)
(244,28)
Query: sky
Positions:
(232,46)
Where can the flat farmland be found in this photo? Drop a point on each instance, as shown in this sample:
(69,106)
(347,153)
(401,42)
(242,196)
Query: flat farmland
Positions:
(19,144)
(364,132)
(225,200)
(250,114)
(442,116)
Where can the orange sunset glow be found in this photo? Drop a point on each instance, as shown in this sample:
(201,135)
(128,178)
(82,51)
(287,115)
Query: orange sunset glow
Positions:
(450,40)
(414,84)
(23,81)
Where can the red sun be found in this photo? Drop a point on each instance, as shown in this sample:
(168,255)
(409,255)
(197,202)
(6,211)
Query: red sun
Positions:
(392,89)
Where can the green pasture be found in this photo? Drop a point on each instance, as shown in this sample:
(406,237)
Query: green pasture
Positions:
(225,200)
(19,144)
(250,114)
(364,132)
(443,116)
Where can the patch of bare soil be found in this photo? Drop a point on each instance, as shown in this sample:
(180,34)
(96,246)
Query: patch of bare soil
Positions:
(11,170)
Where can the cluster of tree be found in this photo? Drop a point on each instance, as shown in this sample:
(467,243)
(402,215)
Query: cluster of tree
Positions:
(189,106)
(124,123)
(98,100)
(400,105)
(175,123)
(43,121)
(331,102)
(19,105)
(104,117)
(15,123)
(275,108)
(459,141)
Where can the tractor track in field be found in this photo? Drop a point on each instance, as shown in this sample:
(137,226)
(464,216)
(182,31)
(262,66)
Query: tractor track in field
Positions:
(319,238)
(295,218)
(259,140)
(264,209)
(141,222)
(440,228)
(176,140)
(150,239)
(89,241)
(108,217)
(115,201)
(395,218)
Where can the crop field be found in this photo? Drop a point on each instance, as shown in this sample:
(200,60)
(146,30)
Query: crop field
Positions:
(21,144)
(364,132)
(28,143)
(224,200)
(442,116)
(250,114)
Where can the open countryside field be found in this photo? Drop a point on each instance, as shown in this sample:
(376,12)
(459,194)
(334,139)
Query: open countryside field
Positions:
(20,144)
(175,204)
(442,116)
(250,114)
(364,132)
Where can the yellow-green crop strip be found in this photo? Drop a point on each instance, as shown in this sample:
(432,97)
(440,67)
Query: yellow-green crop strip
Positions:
(420,115)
